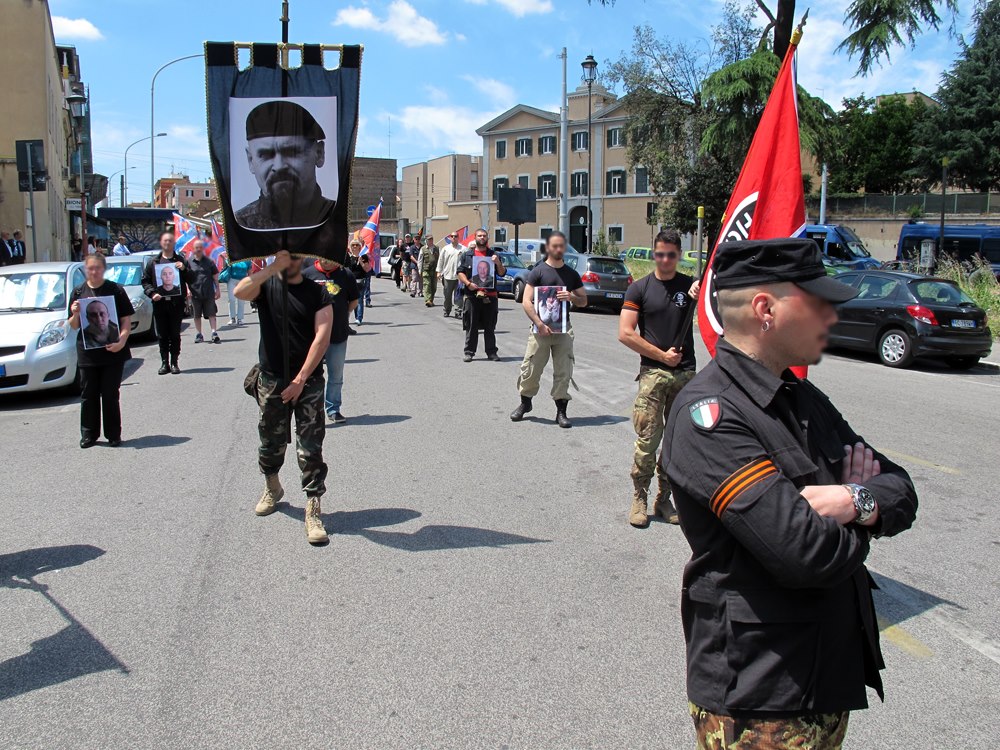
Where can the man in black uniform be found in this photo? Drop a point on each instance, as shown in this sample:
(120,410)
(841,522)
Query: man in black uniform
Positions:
(779,499)
(480,310)
(168,310)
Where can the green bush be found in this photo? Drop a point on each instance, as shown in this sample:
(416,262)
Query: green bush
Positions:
(639,268)
(979,282)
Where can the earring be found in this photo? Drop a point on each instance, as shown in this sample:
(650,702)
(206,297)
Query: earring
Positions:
(766,326)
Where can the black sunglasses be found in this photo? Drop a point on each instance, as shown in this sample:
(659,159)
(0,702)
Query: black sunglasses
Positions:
(670,255)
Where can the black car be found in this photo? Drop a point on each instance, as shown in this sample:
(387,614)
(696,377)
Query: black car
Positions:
(605,279)
(900,316)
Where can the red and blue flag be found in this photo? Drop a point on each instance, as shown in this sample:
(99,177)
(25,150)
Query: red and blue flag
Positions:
(370,239)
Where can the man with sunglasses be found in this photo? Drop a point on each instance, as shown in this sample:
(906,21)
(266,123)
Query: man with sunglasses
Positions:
(447,270)
(656,324)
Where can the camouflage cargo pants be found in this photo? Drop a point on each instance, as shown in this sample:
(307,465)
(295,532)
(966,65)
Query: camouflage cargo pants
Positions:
(657,391)
(430,285)
(808,732)
(560,347)
(310,428)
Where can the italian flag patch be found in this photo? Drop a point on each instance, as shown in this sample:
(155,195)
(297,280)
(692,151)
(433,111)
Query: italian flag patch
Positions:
(706,413)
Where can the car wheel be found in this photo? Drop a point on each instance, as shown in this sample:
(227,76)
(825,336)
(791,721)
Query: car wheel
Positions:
(963,363)
(518,291)
(895,348)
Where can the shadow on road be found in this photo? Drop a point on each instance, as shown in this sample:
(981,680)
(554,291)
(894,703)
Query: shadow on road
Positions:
(896,602)
(601,420)
(156,441)
(71,652)
(207,370)
(430,538)
(934,366)
(359,361)
(377,419)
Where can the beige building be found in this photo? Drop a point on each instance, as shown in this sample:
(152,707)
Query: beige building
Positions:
(521,148)
(184,194)
(428,187)
(34,108)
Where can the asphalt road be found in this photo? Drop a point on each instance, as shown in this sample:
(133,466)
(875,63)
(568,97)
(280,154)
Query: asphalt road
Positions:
(482,588)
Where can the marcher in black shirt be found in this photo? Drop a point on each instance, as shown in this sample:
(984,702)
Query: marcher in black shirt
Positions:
(779,499)
(661,306)
(480,310)
(309,322)
(101,369)
(168,312)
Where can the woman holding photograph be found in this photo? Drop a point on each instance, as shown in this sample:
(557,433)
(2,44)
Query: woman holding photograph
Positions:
(101,369)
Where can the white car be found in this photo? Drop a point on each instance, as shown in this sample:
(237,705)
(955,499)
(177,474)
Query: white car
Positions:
(126,270)
(37,346)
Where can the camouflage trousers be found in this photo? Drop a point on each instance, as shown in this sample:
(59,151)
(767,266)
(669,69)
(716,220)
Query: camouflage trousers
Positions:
(430,280)
(560,347)
(807,732)
(657,391)
(310,428)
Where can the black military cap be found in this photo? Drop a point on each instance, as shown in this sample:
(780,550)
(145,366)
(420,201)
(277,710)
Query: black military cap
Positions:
(755,262)
(282,118)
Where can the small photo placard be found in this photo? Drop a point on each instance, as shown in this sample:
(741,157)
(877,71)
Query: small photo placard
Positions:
(98,322)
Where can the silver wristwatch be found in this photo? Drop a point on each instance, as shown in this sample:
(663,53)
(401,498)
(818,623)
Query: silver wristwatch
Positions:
(864,502)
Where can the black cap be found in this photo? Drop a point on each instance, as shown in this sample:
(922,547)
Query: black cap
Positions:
(755,262)
(282,118)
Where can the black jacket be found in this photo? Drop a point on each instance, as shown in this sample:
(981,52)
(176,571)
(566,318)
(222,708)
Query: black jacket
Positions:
(149,282)
(776,602)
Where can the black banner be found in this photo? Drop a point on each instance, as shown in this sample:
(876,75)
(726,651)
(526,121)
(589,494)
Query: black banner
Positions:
(282,145)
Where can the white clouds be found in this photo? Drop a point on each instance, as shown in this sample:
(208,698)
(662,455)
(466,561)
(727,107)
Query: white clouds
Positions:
(499,93)
(402,22)
(443,129)
(66,29)
(521,8)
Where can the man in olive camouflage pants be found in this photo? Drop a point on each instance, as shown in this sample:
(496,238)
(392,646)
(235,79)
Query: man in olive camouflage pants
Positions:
(428,263)
(816,732)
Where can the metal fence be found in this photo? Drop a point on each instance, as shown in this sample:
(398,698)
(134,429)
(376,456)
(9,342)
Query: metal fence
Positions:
(915,204)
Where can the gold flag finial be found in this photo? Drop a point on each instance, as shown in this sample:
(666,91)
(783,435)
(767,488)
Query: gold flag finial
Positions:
(797,32)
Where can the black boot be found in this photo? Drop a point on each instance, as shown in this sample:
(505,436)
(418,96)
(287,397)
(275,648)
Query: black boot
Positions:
(525,406)
(561,419)
(164,368)
(173,367)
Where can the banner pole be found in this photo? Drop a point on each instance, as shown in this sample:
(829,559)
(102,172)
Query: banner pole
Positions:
(284,235)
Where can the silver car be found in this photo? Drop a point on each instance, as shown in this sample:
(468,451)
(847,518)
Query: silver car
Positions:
(126,270)
(37,346)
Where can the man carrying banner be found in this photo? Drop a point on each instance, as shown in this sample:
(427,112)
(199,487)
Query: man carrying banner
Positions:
(779,499)
(660,306)
(310,320)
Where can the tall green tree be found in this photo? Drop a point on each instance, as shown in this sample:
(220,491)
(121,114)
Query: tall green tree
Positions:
(966,128)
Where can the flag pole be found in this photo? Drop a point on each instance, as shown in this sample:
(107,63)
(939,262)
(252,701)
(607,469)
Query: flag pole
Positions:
(284,235)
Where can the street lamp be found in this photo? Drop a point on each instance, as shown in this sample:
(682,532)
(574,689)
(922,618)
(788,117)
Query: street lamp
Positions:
(152,137)
(78,111)
(148,137)
(589,75)
(121,194)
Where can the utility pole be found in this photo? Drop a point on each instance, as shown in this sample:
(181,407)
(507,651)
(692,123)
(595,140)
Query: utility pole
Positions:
(822,195)
(563,153)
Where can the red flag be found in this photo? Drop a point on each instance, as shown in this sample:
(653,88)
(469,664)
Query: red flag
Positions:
(768,199)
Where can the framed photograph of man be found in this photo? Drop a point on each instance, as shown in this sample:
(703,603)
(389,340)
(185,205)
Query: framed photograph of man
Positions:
(98,322)
(550,310)
(283,164)
(168,280)
(484,272)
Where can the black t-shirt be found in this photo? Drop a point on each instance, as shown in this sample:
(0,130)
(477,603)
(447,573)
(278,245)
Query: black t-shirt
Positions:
(342,286)
(466,263)
(663,307)
(545,275)
(123,307)
(305,299)
(202,280)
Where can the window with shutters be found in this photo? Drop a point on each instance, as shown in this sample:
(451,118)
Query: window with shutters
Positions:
(616,137)
(501,149)
(499,182)
(641,180)
(547,144)
(524,180)
(581,140)
(546,186)
(522,147)
(578,184)
(615,184)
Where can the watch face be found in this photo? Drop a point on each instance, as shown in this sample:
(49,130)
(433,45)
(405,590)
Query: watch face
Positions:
(866,500)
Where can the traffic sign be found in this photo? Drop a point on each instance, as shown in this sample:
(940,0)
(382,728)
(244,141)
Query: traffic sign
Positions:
(38,179)
(37,149)
(370,210)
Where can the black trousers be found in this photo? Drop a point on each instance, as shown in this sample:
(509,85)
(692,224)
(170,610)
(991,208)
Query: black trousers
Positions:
(99,397)
(168,316)
(480,313)
(394,274)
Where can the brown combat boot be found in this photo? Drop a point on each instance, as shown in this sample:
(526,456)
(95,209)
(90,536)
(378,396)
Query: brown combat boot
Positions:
(637,516)
(315,532)
(273,492)
(662,506)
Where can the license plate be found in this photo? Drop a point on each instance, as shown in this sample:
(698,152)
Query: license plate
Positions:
(3,371)
(615,295)
(963,324)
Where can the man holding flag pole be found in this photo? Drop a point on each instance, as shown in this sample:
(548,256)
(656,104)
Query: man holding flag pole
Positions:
(778,497)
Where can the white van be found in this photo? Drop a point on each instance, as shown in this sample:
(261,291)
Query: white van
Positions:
(530,250)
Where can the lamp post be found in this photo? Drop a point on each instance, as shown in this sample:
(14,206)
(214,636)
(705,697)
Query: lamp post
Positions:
(78,111)
(589,74)
(121,194)
(158,135)
(944,187)
(152,136)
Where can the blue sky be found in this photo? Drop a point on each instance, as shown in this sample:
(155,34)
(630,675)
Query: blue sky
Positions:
(433,70)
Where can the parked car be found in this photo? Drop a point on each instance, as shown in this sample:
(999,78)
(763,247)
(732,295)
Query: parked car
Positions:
(37,346)
(689,262)
(841,245)
(605,279)
(637,253)
(900,316)
(513,281)
(127,270)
